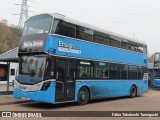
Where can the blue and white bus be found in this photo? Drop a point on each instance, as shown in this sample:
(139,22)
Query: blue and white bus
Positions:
(64,60)
(156,71)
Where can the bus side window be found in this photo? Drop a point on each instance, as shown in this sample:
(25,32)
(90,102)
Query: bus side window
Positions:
(144,70)
(101,38)
(114,41)
(132,72)
(56,27)
(67,29)
(140,73)
(132,46)
(100,70)
(63,28)
(124,72)
(140,48)
(114,71)
(84,33)
(124,44)
(85,70)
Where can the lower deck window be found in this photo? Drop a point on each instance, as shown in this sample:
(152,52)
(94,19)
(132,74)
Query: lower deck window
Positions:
(132,72)
(101,70)
(85,70)
(124,72)
(114,71)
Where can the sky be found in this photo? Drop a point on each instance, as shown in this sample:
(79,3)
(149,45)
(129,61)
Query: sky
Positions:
(138,19)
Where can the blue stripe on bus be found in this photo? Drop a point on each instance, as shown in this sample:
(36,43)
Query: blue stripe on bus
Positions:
(96,51)
(98,89)
(108,89)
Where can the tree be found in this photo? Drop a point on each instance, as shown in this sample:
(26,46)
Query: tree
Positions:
(151,58)
(9,36)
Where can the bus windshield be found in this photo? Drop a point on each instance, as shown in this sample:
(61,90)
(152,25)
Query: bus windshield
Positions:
(33,65)
(38,25)
(157,74)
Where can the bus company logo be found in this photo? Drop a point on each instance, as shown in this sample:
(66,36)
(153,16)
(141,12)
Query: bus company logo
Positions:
(33,44)
(22,87)
(67,47)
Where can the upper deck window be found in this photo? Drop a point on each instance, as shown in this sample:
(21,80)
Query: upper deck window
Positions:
(63,28)
(84,33)
(132,46)
(124,44)
(114,41)
(141,48)
(101,38)
(38,25)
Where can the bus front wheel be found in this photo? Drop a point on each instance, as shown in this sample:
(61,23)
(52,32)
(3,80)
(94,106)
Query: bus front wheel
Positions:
(83,96)
(133,91)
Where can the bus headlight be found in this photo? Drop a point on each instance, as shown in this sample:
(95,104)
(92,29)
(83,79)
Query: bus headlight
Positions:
(45,85)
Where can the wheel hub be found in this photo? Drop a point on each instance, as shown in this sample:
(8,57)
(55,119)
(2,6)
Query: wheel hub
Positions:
(83,96)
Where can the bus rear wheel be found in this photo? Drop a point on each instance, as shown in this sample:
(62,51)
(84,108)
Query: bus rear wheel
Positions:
(83,96)
(133,91)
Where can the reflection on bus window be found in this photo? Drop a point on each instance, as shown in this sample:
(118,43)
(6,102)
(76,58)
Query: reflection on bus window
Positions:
(114,71)
(132,72)
(63,28)
(85,70)
(38,25)
(100,70)
(33,65)
(84,33)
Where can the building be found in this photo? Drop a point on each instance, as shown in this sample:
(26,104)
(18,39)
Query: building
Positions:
(8,66)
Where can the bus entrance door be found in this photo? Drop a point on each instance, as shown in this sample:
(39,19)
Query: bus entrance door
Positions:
(65,80)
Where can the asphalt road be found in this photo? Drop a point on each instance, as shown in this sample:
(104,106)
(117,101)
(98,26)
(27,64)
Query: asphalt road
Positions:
(147,102)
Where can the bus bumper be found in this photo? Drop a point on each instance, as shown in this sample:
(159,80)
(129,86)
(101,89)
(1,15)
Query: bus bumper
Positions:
(46,96)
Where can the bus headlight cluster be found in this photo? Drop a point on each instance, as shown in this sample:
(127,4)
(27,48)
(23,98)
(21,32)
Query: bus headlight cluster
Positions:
(45,85)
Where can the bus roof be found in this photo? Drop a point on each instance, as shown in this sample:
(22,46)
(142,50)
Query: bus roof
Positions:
(76,22)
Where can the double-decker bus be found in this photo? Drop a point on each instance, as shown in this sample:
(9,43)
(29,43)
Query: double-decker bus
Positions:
(64,60)
(156,70)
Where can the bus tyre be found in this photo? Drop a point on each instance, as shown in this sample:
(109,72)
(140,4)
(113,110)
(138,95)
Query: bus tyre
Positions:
(133,91)
(83,96)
